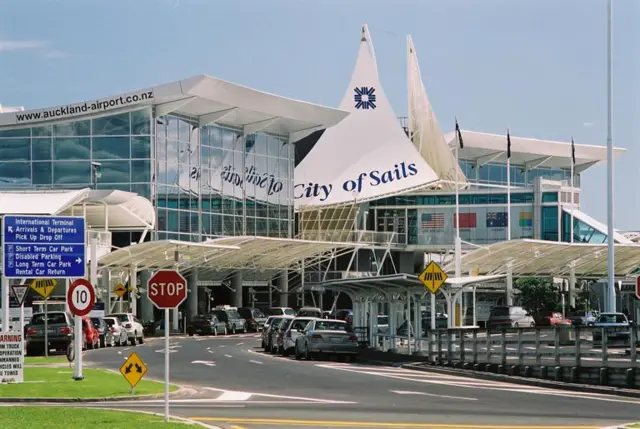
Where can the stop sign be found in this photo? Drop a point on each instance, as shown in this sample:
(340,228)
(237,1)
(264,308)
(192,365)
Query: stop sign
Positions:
(167,289)
(637,287)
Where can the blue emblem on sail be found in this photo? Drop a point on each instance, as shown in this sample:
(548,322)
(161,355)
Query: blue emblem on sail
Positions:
(365,97)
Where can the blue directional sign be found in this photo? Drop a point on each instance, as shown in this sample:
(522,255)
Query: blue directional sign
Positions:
(44,247)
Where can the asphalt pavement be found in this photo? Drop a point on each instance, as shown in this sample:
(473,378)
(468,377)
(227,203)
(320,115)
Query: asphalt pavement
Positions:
(240,387)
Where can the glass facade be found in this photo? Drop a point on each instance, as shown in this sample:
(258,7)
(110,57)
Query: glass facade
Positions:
(203,181)
(496,174)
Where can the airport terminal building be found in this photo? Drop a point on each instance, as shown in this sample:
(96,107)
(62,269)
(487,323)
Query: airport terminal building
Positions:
(280,193)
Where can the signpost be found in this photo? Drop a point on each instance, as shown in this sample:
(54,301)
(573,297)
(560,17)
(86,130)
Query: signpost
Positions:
(12,357)
(80,298)
(19,292)
(133,370)
(166,290)
(45,287)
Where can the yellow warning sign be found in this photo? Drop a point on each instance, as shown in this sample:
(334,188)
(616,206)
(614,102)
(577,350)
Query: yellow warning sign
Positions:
(133,370)
(433,277)
(120,290)
(44,287)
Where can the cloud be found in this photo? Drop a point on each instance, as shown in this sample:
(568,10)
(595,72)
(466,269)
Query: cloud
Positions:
(55,54)
(587,124)
(20,45)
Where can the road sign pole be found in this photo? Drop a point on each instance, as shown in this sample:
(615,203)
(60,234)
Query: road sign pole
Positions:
(22,325)
(5,303)
(77,338)
(166,365)
(46,327)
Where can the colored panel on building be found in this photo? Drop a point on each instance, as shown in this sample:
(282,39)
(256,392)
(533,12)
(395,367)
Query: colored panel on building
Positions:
(526,220)
(432,220)
(467,220)
(497,219)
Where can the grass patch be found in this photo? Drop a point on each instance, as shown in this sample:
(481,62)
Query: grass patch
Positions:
(41,360)
(633,426)
(80,418)
(58,383)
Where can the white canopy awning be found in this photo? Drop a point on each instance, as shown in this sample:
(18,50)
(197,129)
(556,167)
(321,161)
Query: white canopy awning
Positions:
(108,209)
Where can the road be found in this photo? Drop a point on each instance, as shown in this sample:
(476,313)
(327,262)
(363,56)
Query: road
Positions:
(241,387)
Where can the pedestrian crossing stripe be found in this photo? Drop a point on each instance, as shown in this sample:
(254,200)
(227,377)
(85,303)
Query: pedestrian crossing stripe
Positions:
(44,287)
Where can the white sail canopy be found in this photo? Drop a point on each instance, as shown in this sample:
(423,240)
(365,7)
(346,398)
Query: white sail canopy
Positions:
(367,155)
(424,129)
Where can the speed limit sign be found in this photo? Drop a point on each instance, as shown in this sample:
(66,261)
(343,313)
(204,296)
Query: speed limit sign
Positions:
(80,297)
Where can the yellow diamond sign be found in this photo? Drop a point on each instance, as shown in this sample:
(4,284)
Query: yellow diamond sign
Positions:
(120,290)
(433,277)
(44,287)
(133,370)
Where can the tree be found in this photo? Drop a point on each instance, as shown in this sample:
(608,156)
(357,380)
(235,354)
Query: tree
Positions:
(538,294)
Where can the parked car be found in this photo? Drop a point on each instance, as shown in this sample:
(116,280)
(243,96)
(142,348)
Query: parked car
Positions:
(588,318)
(206,324)
(510,317)
(60,332)
(617,327)
(230,316)
(254,316)
(292,332)
(551,318)
(327,337)
(135,331)
(281,311)
(346,315)
(118,332)
(271,339)
(91,334)
(104,334)
(309,312)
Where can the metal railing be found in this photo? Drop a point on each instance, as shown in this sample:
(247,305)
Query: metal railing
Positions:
(561,346)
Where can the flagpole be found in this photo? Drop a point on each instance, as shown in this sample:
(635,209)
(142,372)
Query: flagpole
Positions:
(611,296)
(572,184)
(458,243)
(508,188)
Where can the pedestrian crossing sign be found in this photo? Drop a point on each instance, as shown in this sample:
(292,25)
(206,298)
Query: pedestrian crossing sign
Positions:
(44,287)
(120,290)
(433,277)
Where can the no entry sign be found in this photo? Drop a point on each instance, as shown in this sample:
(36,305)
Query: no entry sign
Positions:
(81,297)
(167,289)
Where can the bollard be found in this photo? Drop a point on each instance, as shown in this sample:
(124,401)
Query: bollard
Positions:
(528,371)
(557,374)
(501,369)
(468,365)
(478,367)
(630,377)
(603,376)
(514,370)
(574,375)
(543,372)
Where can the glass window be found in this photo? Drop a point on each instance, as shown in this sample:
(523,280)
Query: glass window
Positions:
(42,173)
(549,197)
(43,131)
(550,223)
(15,149)
(78,172)
(110,148)
(71,148)
(18,132)
(77,128)
(115,172)
(141,122)
(112,125)
(141,170)
(140,147)
(517,175)
(41,149)
(142,189)
(15,174)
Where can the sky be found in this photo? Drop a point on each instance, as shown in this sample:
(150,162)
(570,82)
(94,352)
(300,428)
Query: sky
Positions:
(537,67)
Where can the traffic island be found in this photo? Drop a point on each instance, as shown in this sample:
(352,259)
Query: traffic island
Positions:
(81,418)
(57,385)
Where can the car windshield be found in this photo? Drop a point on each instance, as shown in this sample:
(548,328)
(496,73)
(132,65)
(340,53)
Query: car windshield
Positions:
(202,318)
(289,312)
(122,317)
(110,322)
(612,318)
(331,325)
(500,311)
(276,323)
(310,312)
(383,320)
(257,313)
(221,315)
(233,314)
(38,319)
(275,311)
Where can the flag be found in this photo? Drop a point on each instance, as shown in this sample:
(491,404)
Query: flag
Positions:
(526,219)
(508,144)
(497,220)
(459,134)
(573,152)
(467,220)
(432,220)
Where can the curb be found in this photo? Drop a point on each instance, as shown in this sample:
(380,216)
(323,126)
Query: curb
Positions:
(527,381)
(182,391)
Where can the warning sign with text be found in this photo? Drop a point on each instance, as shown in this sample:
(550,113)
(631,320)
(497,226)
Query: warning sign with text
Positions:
(11,357)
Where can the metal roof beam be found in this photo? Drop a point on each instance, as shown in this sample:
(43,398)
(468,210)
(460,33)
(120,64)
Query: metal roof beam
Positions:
(172,106)
(485,159)
(528,166)
(255,127)
(213,117)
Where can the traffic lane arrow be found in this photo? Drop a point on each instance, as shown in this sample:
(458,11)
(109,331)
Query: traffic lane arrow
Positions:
(10,228)
(127,369)
(138,368)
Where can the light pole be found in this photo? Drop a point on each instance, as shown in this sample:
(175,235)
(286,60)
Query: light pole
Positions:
(611,293)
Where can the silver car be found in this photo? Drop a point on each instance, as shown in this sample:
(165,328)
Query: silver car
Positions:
(292,333)
(327,337)
(119,334)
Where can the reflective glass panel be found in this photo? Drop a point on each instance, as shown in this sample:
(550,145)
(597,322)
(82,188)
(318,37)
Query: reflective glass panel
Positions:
(112,125)
(19,132)
(76,128)
(115,172)
(141,147)
(43,131)
(18,149)
(141,170)
(41,149)
(141,122)
(110,148)
(15,174)
(77,172)
(42,174)
(71,148)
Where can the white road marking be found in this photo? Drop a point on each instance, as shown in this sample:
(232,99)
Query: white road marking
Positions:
(255,361)
(210,351)
(119,352)
(205,362)
(266,395)
(405,392)
(228,356)
(239,344)
(125,349)
(221,345)
(234,396)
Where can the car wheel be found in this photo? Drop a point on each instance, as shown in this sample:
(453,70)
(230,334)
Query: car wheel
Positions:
(226,331)
(263,345)
(244,329)
(215,331)
(142,339)
(233,330)
(533,325)
(516,325)
(307,356)
(133,339)
(297,354)
(286,352)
